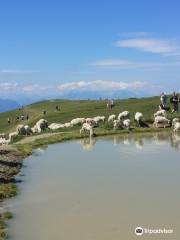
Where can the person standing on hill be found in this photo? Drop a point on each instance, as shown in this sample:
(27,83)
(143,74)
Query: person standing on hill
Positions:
(163,100)
(112,103)
(175,101)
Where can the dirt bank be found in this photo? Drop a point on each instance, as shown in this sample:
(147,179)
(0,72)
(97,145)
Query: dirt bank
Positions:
(10,163)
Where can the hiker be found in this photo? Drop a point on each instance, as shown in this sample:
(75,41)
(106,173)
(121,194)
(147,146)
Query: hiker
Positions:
(8,120)
(163,101)
(175,101)
(57,108)
(111,104)
(22,117)
(27,117)
(108,105)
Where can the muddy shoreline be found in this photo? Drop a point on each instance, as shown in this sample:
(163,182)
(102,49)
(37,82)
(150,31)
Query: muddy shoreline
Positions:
(10,164)
(11,161)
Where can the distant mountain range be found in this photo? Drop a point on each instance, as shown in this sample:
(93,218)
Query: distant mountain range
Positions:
(119,94)
(8,104)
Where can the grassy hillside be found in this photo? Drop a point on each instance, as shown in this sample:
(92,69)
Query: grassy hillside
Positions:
(73,109)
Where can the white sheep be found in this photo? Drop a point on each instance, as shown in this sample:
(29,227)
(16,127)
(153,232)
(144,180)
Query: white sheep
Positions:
(160,113)
(111,118)
(67,125)
(21,130)
(99,119)
(54,126)
(41,125)
(28,130)
(2,135)
(117,124)
(174,121)
(78,121)
(177,127)
(4,141)
(161,121)
(127,123)
(86,127)
(138,118)
(123,115)
(91,122)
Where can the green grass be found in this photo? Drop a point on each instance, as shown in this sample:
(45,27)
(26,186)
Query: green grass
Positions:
(3,228)
(83,108)
(7,190)
(3,234)
(7,215)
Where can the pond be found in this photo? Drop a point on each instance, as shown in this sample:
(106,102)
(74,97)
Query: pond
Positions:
(99,190)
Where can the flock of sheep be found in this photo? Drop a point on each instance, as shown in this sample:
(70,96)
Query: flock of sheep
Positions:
(88,124)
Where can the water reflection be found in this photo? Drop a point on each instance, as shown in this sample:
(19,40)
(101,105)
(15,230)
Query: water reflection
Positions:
(87,143)
(140,141)
(175,140)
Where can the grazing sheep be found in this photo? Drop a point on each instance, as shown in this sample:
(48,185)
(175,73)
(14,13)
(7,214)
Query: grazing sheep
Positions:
(161,121)
(177,127)
(86,127)
(40,126)
(91,122)
(160,113)
(4,141)
(138,118)
(127,123)
(21,130)
(67,125)
(34,129)
(99,119)
(28,130)
(111,118)
(54,126)
(78,121)
(117,124)
(123,115)
(174,121)
(2,135)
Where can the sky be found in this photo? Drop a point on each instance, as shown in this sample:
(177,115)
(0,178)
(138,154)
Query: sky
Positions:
(50,48)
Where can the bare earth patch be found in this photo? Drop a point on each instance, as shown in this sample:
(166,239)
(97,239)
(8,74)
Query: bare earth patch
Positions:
(36,137)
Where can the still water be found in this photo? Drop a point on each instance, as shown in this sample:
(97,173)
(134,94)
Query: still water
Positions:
(99,190)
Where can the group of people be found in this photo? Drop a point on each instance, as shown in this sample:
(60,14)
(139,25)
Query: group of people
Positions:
(174,100)
(19,118)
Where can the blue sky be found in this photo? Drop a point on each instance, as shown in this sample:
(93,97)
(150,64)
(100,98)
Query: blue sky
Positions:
(53,47)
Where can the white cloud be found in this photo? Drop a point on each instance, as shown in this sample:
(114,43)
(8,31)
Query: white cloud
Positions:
(121,63)
(34,88)
(19,88)
(8,85)
(99,85)
(152,45)
(126,64)
(16,71)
